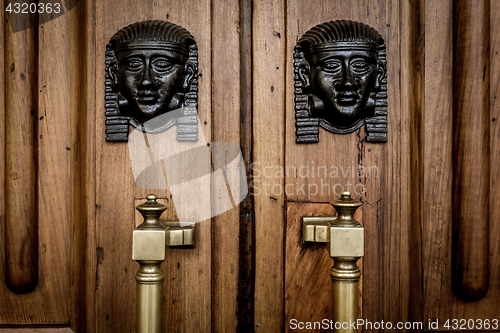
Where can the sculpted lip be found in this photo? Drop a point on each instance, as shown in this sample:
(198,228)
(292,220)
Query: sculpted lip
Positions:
(147,97)
(347,98)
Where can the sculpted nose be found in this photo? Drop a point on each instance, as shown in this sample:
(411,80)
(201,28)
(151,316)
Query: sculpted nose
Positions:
(347,78)
(146,79)
(347,81)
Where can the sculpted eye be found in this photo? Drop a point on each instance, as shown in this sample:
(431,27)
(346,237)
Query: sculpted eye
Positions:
(134,64)
(332,65)
(162,64)
(360,66)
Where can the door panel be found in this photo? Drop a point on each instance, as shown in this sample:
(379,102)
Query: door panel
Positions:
(372,172)
(36,173)
(450,92)
(308,284)
(188,271)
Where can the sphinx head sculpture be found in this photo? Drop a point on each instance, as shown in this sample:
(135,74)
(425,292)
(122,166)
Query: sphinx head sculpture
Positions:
(340,81)
(151,69)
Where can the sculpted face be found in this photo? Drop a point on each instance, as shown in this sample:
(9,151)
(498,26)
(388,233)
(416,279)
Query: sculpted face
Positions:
(340,81)
(148,79)
(151,70)
(343,80)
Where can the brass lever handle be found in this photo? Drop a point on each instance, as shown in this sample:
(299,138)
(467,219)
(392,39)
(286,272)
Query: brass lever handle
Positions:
(149,243)
(345,238)
(149,249)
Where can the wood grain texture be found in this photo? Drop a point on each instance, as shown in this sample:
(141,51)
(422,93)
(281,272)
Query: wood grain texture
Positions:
(494,150)
(187,292)
(471,155)
(308,284)
(268,49)
(83,169)
(226,128)
(21,111)
(440,301)
(412,140)
(334,163)
(2,144)
(54,185)
(246,254)
(437,164)
(37,330)
(50,100)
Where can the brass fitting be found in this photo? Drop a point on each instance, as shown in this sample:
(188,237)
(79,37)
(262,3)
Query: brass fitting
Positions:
(149,249)
(345,238)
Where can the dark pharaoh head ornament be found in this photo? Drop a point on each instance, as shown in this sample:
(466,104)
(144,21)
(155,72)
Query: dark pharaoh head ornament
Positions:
(340,81)
(151,69)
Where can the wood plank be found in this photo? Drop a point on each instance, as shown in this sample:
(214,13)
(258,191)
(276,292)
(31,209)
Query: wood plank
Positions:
(471,158)
(440,301)
(2,145)
(412,141)
(246,253)
(268,50)
(37,330)
(333,162)
(49,303)
(54,182)
(226,128)
(438,153)
(83,216)
(494,150)
(21,111)
(308,284)
(188,271)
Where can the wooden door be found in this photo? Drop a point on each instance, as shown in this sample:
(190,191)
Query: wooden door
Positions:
(68,204)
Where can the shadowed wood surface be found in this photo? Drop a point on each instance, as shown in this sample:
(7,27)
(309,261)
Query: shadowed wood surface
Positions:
(37,330)
(412,103)
(2,146)
(471,154)
(21,153)
(83,169)
(247,227)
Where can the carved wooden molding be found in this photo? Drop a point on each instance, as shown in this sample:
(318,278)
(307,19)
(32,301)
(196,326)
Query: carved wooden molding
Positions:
(471,152)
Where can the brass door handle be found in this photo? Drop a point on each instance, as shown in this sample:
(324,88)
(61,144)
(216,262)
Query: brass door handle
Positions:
(345,238)
(149,244)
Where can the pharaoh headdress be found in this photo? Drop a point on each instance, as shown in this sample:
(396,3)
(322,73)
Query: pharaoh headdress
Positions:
(151,34)
(338,35)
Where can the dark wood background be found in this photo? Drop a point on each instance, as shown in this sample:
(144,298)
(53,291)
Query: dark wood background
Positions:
(429,214)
